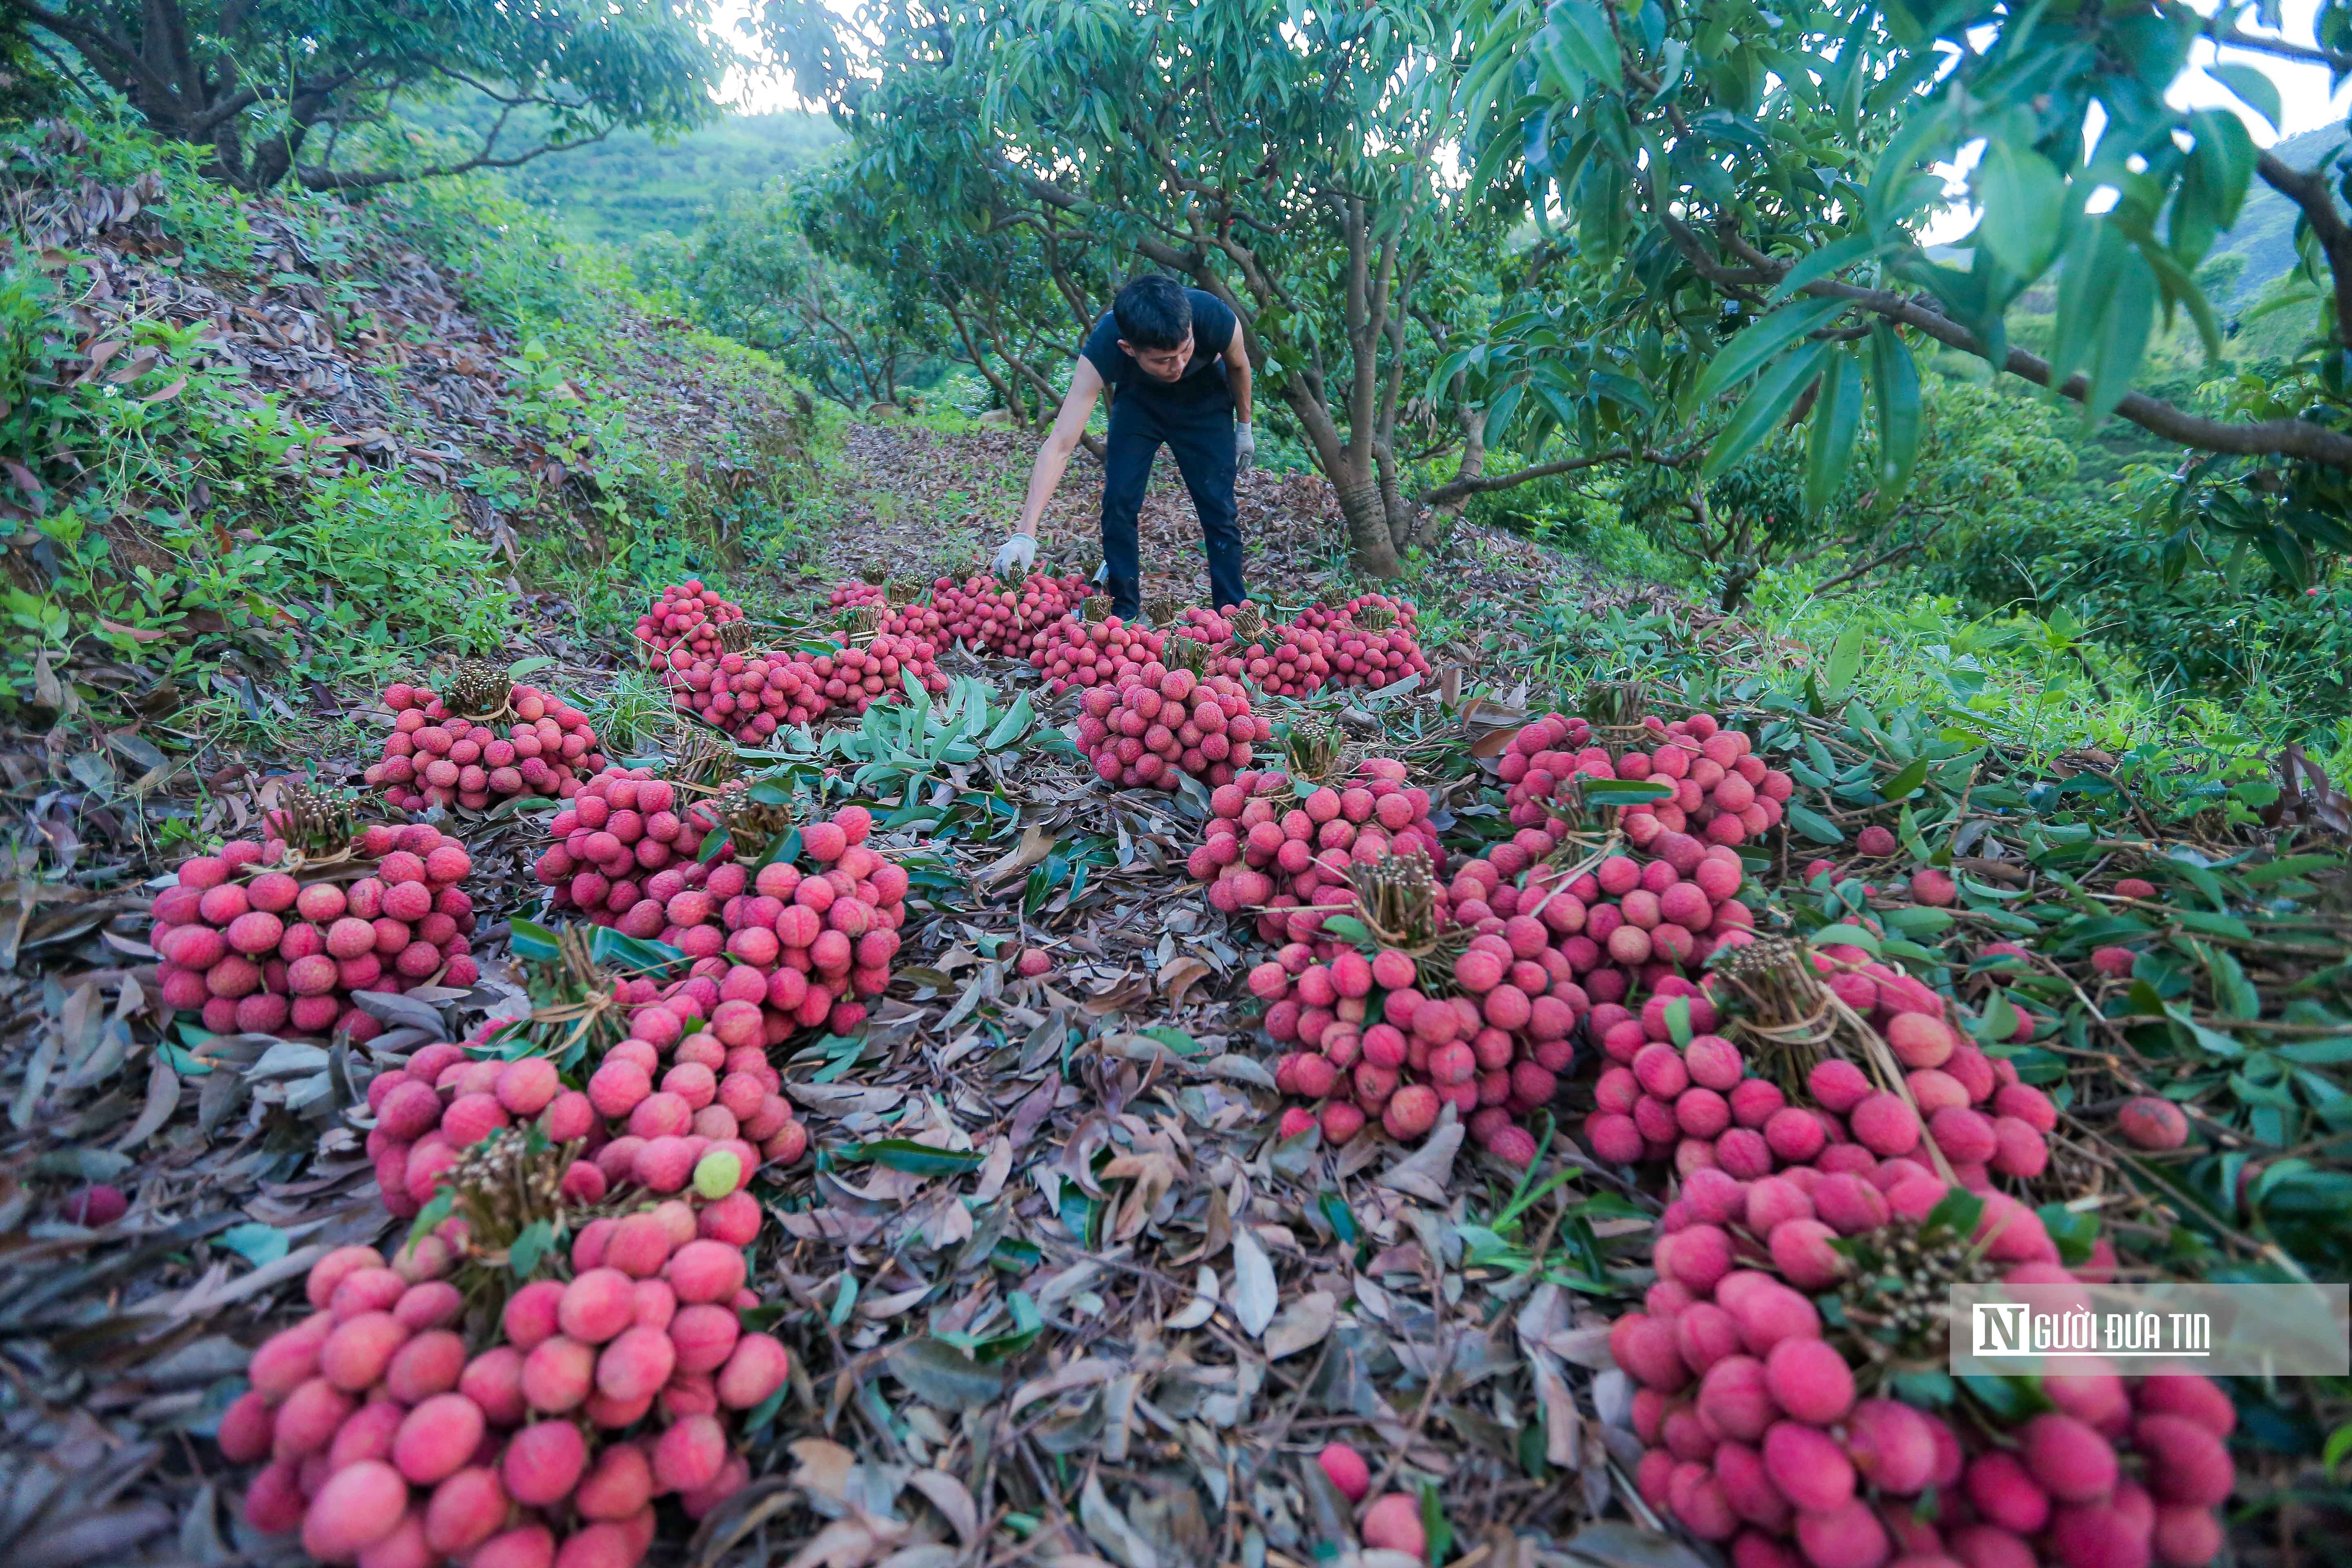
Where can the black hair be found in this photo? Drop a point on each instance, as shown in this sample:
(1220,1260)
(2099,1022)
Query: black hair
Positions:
(1153,313)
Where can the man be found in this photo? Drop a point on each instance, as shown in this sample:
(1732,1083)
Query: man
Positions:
(1173,360)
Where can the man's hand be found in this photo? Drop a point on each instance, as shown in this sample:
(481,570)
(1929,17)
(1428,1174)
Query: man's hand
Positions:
(1245,448)
(1019,549)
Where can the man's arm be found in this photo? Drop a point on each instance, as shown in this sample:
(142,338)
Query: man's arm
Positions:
(1237,374)
(1054,456)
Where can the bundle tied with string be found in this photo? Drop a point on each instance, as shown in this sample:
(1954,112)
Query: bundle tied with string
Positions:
(1403,905)
(1161,610)
(580,1008)
(1615,709)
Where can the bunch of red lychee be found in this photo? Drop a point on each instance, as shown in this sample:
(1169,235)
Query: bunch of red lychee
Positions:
(1374,644)
(1699,1105)
(392,1438)
(1214,633)
(434,758)
(1762,1434)
(990,616)
(1629,923)
(262,942)
(621,830)
(857,677)
(1291,660)
(1723,792)
(851,595)
(1281,849)
(750,694)
(696,1103)
(685,620)
(1159,722)
(813,934)
(1493,1047)
(1079,652)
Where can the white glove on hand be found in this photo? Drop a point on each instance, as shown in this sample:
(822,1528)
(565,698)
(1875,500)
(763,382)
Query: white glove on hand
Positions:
(1244,449)
(1019,549)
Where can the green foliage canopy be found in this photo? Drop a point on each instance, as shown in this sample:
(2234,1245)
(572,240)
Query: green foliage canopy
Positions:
(280,88)
(1751,184)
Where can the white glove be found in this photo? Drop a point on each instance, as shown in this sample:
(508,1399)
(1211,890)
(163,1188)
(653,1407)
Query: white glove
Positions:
(1019,549)
(1245,448)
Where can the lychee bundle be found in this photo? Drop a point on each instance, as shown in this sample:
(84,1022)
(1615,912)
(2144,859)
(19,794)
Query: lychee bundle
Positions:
(913,619)
(1373,644)
(1792,1440)
(667,1109)
(488,739)
(1214,633)
(1161,722)
(263,937)
(1723,792)
(863,673)
(1700,1104)
(623,832)
(685,618)
(1621,924)
(804,940)
(1291,660)
(1492,1044)
(1283,847)
(396,1430)
(1075,651)
(850,595)
(750,694)
(1005,617)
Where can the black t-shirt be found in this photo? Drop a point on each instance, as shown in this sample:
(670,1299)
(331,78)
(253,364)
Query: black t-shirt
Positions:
(1204,375)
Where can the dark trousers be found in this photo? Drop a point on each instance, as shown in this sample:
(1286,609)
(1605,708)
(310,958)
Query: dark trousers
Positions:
(1200,433)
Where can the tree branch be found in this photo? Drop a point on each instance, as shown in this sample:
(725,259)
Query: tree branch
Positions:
(319,179)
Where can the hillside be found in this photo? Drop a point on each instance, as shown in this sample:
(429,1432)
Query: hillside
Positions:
(2264,231)
(629,184)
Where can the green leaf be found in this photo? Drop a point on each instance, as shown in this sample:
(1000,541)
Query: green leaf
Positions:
(1845,663)
(1766,406)
(1013,726)
(1581,33)
(1619,792)
(1826,262)
(1757,345)
(914,1159)
(532,1247)
(1811,823)
(443,1203)
(257,1243)
(1837,419)
(1895,394)
(2074,1233)
(534,941)
(530,666)
(639,954)
(2025,199)
(1850,936)
(1956,1213)
(1348,929)
(2261,94)
(1176,1040)
(1907,780)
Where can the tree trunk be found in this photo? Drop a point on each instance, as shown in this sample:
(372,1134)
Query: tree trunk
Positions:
(1369,537)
